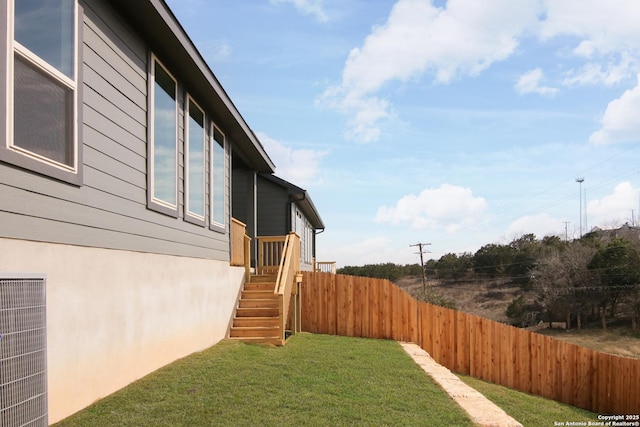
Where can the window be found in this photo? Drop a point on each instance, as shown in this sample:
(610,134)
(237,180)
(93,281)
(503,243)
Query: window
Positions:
(163,140)
(41,83)
(217,179)
(305,231)
(195,158)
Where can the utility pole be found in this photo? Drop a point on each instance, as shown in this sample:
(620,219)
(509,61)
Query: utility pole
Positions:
(586,214)
(566,233)
(580,181)
(424,278)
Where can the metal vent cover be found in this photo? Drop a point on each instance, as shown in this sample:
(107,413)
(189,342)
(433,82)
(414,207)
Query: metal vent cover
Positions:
(23,350)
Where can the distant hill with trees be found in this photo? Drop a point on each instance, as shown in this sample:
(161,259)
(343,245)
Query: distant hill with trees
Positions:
(592,279)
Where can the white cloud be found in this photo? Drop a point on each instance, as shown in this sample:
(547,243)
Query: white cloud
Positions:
(298,166)
(615,207)
(308,7)
(602,26)
(464,38)
(448,207)
(541,225)
(621,119)
(607,35)
(530,81)
(607,72)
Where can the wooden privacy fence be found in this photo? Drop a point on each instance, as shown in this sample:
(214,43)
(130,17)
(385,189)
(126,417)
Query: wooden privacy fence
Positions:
(468,344)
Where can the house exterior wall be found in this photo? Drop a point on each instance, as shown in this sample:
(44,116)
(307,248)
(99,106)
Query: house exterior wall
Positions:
(274,217)
(109,210)
(129,289)
(278,216)
(114,316)
(243,194)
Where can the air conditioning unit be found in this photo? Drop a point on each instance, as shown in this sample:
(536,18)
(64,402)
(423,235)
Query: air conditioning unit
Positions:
(23,350)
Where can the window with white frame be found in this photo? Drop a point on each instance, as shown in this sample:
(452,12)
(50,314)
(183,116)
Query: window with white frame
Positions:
(217,178)
(305,231)
(195,162)
(41,83)
(163,140)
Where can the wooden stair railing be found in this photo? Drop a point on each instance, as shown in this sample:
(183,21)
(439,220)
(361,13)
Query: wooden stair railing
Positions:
(263,308)
(288,281)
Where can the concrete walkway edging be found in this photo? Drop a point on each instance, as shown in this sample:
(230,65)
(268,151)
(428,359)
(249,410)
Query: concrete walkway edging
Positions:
(481,410)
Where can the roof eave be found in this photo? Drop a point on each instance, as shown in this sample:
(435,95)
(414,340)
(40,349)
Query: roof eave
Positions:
(168,39)
(301,198)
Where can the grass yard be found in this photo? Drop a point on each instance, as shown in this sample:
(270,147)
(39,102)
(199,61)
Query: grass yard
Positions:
(314,380)
(529,410)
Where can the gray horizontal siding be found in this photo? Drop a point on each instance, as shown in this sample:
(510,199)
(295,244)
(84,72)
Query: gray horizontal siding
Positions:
(110,209)
(45,230)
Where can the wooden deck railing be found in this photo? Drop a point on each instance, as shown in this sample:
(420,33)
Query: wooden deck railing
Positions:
(240,246)
(468,344)
(270,249)
(324,267)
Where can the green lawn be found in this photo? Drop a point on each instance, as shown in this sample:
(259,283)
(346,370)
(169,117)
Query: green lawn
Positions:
(314,380)
(529,410)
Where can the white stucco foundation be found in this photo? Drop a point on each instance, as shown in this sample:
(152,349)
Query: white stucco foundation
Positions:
(115,316)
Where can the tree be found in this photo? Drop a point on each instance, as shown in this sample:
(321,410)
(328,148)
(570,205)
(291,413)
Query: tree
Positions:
(576,259)
(452,266)
(523,314)
(524,251)
(634,302)
(389,271)
(549,282)
(561,278)
(616,269)
(492,260)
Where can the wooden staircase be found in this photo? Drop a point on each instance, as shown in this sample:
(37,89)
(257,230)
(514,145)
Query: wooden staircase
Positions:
(257,317)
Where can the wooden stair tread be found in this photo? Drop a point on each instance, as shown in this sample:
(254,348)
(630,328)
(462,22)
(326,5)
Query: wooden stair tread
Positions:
(255,320)
(261,294)
(256,312)
(257,316)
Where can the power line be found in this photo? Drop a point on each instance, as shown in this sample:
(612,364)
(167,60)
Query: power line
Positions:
(567,197)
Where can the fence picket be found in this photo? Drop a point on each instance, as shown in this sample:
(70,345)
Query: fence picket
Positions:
(568,355)
(461,343)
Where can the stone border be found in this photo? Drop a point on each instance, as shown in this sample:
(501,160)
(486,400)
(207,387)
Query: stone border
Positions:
(481,410)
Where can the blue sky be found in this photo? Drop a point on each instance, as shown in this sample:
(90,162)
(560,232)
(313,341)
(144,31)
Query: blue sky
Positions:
(457,123)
